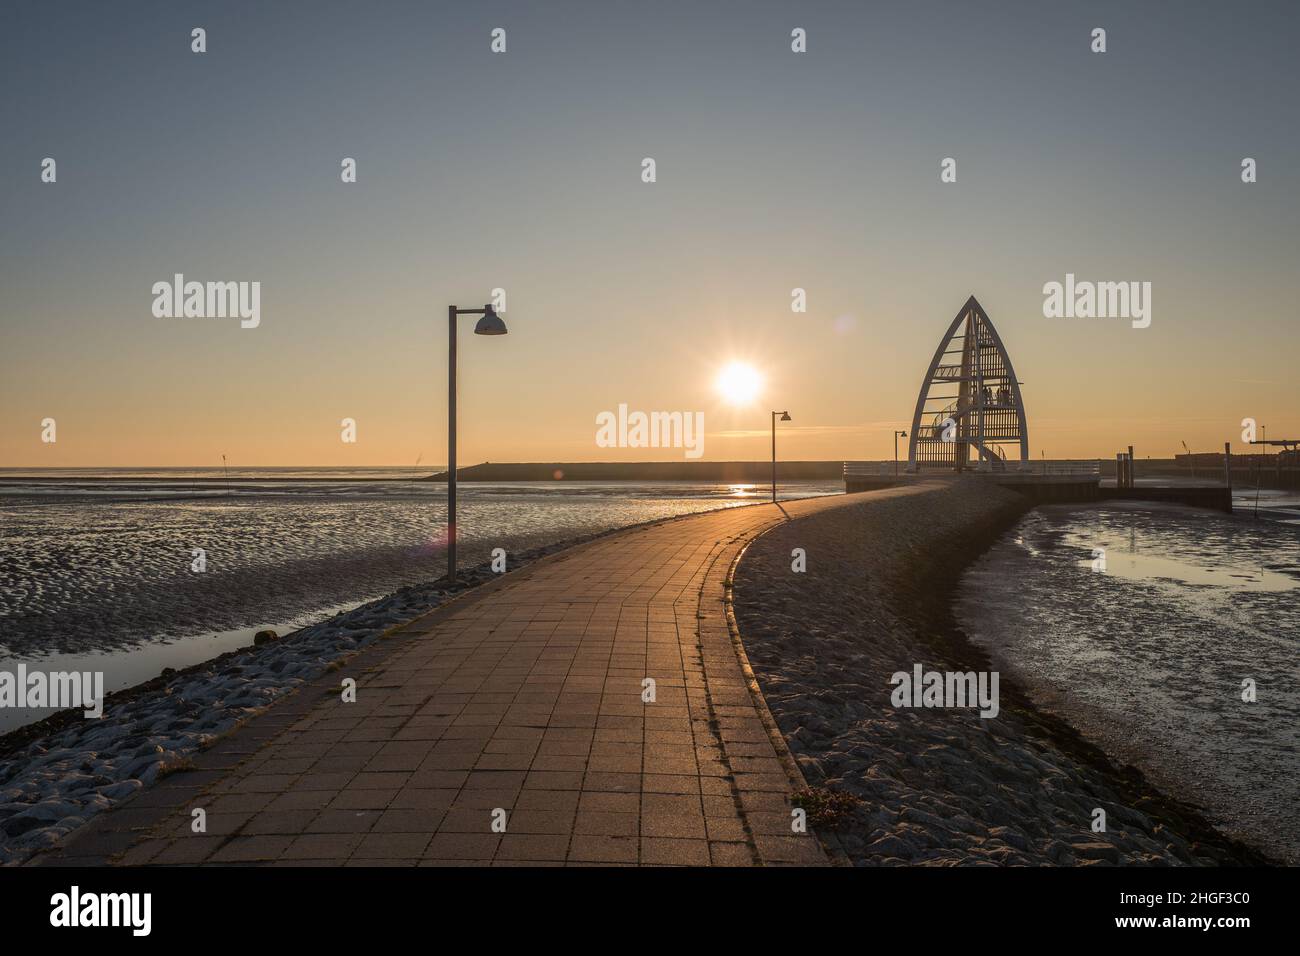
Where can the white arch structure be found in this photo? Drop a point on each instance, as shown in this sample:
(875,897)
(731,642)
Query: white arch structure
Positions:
(984,414)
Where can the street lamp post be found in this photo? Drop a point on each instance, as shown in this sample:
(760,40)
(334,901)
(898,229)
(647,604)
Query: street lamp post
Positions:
(785,417)
(897,436)
(489,324)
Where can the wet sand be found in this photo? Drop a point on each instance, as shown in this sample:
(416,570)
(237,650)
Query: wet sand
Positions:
(1188,605)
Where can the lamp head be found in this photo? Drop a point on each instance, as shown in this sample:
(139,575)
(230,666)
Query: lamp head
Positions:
(785,416)
(490,324)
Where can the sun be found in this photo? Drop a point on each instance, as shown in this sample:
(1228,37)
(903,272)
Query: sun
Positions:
(738,383)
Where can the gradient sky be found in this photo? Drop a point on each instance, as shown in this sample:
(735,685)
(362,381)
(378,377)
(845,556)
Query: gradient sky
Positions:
(522,170)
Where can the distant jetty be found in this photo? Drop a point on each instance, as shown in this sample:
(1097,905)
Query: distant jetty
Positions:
(734,472)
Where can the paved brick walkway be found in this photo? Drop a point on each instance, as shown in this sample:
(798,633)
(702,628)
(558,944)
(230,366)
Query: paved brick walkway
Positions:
(525,696)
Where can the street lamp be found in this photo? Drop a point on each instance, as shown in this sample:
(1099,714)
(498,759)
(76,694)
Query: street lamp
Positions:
(489,324)
(785,417)
(897,436)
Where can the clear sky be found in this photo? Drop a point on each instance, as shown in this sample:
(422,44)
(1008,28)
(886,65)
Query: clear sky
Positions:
(522,170)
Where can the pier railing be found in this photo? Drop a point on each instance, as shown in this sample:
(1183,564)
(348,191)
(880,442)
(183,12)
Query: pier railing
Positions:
(871,469)
(1046,481)
(1066,466)
(1059,467)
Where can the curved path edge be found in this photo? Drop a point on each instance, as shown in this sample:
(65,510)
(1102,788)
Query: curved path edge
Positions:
(830,842)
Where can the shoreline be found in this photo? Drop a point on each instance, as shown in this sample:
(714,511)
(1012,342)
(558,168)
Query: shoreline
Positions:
(1234,777)
(1182,817)
(939,786)
(689,472)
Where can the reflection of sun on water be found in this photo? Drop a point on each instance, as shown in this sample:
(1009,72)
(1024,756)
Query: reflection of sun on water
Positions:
(742,491)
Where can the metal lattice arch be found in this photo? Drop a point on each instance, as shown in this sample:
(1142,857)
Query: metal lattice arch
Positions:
(982,416)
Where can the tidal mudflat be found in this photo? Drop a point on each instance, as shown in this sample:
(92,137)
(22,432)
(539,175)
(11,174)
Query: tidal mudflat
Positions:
(1145,626)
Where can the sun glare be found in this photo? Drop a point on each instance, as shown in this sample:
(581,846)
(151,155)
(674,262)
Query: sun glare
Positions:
(738,383)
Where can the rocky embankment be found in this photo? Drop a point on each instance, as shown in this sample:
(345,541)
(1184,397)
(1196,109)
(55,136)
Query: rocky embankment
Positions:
(942,785)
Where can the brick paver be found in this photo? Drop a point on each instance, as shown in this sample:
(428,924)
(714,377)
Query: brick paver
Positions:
(522,702)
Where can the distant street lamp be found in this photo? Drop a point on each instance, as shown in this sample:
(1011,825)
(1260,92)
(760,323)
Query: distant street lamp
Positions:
(897,436)
(489,324)
(785,417)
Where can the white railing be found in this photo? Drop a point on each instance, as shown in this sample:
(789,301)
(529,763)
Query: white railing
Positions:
(1061,467)
(872,469)
(1089,467)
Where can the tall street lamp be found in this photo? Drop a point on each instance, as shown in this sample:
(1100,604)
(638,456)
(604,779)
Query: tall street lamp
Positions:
(489,324)
(897,435)
(785,417)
